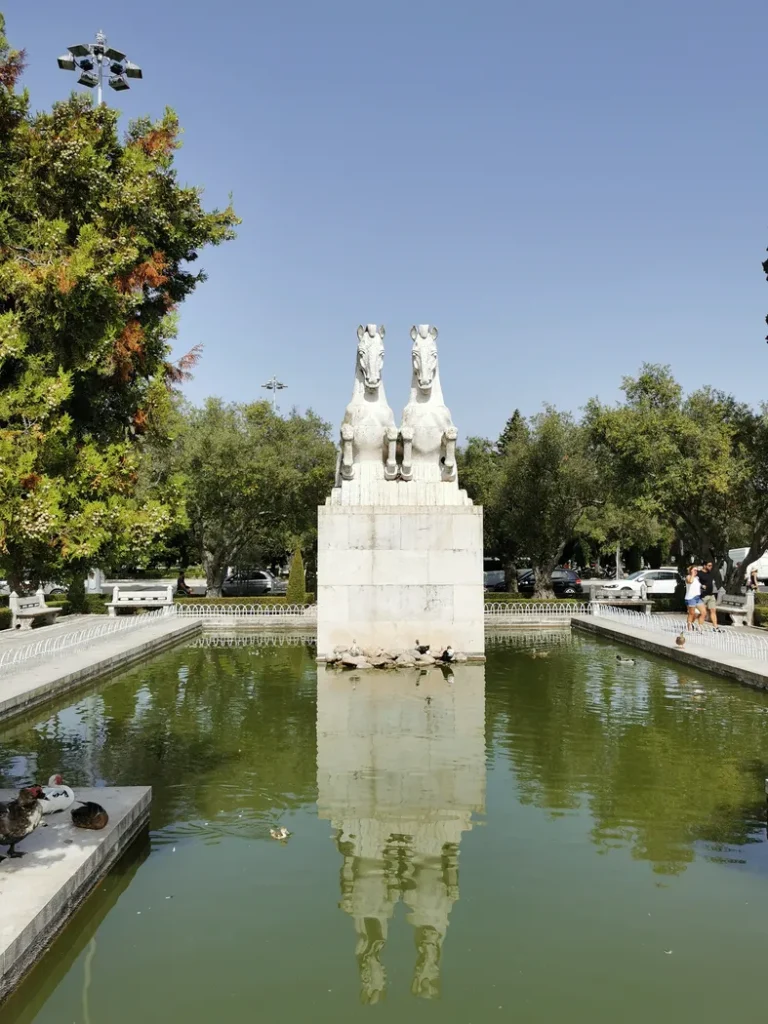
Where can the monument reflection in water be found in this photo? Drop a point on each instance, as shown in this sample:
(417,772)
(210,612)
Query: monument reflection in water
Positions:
(400,773)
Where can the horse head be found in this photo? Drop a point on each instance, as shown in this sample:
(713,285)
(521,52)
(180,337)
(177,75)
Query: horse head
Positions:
(424,356)
(370,354)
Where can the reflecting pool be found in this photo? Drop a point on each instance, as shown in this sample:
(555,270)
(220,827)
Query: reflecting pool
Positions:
(553,834)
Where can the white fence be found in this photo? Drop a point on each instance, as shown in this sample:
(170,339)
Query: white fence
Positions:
(728,639)
(48,646)
(255,614)
(515,612)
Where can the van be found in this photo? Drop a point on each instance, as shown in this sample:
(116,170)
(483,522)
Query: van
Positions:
(761,564)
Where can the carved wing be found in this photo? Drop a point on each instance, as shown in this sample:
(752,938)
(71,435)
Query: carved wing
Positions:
(360,332)
(414,333)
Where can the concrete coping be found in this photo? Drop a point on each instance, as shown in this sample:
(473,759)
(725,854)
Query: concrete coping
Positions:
(40,892)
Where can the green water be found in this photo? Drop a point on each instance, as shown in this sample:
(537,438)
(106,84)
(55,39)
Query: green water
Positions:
(539,838)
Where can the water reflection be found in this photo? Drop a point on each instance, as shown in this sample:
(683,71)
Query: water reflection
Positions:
(400,772)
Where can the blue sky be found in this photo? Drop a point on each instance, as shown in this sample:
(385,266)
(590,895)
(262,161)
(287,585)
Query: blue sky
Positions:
(565,189)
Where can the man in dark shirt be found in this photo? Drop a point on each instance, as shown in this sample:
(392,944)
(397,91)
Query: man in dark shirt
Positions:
(709,591)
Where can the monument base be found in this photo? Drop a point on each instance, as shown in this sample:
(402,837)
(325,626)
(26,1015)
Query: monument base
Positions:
(389,575)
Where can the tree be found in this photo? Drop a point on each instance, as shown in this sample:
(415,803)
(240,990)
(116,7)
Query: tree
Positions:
(96,242)
(699,464)
(253,481)
(297,591)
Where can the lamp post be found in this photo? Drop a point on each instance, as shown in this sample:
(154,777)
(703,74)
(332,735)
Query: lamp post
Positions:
(92,58)
(274,386)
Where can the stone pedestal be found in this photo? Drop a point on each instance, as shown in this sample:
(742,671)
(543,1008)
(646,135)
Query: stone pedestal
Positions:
(391,574)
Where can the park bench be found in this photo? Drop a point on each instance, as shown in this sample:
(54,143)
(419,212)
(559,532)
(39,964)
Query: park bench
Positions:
(741,607)
(26,610)
(127,600)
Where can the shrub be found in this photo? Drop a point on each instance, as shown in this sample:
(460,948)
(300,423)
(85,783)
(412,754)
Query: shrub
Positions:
(5,618)
(296,591)
(505,598)
(94,604)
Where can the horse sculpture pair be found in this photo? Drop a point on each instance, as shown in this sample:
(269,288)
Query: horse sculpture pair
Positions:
(372,447)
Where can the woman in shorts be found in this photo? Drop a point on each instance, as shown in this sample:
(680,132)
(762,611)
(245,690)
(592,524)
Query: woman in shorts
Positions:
(693,601)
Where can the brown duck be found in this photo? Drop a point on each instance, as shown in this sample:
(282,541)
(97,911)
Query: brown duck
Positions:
(90,815)
(20,817)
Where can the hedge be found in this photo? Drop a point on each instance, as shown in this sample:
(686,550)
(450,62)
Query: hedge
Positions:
(506,598)
(5,618)
(95,604)
(265,600)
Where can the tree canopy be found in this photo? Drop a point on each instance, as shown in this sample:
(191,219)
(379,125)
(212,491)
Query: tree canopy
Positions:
(97,242)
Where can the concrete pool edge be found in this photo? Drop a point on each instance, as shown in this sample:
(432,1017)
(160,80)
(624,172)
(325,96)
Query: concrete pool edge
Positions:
(39,912)
(747,671)
(23,691)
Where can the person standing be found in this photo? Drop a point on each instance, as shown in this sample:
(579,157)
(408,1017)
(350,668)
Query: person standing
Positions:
(693,601)
(709,590)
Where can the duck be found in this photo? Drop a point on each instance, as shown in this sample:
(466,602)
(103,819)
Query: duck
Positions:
(59,797)
(280,833)
(20,817)
(625,661)
(448,654)
(90,815)
(680,640)
(422,648)
(539,654)
(354,651)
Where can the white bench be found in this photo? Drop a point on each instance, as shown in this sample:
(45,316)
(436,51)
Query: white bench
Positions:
(123,600)
(25,610)
(741,607)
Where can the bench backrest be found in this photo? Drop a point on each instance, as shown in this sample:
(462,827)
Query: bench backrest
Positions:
(164,596)
(734,600)
(25,604)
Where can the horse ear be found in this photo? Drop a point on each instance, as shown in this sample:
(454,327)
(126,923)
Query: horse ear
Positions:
(360,332)
(382,332)
(433,332)
(414,333)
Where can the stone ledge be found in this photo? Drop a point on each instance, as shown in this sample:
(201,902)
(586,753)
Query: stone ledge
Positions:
(41,892)
(42,681)
(722,663)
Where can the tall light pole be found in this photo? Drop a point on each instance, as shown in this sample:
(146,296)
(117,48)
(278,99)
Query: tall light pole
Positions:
(92,58)
(274,386)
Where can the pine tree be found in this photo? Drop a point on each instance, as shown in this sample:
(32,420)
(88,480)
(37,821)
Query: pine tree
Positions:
(296,593)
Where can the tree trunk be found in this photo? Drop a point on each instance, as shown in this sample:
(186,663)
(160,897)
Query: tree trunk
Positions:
(510,577)
(214,565)
(542,582)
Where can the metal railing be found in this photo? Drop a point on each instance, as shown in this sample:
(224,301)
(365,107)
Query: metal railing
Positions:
(274,614)
(279,638)
(47,646)
(508,612)
(731,639)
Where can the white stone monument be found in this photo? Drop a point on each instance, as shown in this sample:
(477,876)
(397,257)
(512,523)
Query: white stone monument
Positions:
(400,546)
(400,774)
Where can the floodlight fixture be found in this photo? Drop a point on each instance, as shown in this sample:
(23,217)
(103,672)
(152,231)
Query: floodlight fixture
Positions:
(274,385)
(93,58)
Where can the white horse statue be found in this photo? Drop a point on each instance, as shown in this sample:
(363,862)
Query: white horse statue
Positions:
(368,431)
(429,436)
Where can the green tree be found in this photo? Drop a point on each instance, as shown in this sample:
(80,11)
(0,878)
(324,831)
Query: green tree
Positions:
(97,239)
(297,591)
(697,463)
(253,481)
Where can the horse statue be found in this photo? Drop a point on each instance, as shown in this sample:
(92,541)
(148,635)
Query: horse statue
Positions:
(428,433)
(368,431)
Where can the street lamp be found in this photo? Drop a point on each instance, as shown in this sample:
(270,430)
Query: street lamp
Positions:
(274,386)
(91,58)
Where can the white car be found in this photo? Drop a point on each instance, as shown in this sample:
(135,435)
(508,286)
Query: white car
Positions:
(653,581)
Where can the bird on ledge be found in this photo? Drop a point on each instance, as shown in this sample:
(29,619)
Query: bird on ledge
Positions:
(680,640)
(20,817)
(90,815)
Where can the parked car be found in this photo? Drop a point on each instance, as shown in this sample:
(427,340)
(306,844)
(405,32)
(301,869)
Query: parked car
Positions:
(495,580)
(253,583)
(565,583)
(655,581)
(28,587)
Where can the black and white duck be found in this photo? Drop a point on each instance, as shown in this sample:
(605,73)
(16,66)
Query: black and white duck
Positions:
(422,648)
(448,655)
(625,661)
(20,817)
(59,797)
(90,815)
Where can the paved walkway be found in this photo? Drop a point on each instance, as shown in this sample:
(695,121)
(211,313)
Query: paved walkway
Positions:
(42,680)
(750,671)
(69,624)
